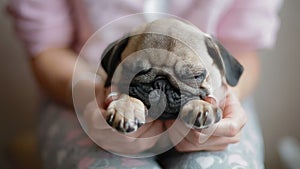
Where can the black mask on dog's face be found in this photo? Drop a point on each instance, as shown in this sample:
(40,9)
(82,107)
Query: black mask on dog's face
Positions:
(163,99)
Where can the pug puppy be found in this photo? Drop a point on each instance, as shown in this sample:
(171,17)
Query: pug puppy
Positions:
(165,69)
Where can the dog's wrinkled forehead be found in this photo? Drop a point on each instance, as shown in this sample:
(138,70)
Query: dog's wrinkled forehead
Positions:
(177,37)
(184,41)
(181,52)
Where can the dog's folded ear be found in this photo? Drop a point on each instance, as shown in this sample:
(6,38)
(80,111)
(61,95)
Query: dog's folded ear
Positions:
(111,57)
(224,60)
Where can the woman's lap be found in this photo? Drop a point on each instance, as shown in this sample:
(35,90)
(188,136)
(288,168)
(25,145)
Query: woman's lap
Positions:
(65,145)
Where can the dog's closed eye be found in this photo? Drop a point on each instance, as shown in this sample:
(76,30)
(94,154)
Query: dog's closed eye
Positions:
(200,77)
(143,72)
(193,74)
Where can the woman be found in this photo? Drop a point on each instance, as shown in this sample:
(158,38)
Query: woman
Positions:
(53,33)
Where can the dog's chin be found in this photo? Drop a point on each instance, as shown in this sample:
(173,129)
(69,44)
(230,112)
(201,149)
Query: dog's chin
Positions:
(163,100)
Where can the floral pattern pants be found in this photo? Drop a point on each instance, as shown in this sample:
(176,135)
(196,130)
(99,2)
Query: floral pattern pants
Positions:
(64,144)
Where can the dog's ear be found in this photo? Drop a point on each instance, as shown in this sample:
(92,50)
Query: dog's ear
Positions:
(224,60)
(111,57)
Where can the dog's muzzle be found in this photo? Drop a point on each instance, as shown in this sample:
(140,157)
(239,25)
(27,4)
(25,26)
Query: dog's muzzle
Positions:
(163,100)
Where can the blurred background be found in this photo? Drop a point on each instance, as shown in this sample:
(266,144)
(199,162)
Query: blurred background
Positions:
(276,97)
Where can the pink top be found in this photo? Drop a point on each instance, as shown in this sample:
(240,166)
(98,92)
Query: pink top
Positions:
(241,25)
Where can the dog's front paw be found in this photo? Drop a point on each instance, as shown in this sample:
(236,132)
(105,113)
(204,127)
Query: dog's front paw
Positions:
(200,114)
(126,114)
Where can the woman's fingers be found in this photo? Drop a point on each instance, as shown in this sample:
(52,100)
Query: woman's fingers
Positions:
(143,139)
(214,143)
(177,130)
(193,140)
(230,126)
(94,116)
(147,130)
(197,138)
(234,118)
(186,146)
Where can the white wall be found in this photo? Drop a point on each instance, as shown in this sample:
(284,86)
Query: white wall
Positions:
(277,95)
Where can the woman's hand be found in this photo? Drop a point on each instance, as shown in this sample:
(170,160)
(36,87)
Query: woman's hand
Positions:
(227,130)
(110,139)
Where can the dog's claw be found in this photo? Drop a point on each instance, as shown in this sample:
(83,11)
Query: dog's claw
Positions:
(138,123)
(110,119)
(197,122)
(119,126)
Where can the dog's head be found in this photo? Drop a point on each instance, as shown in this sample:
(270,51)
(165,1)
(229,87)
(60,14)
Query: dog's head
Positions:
(169,62)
